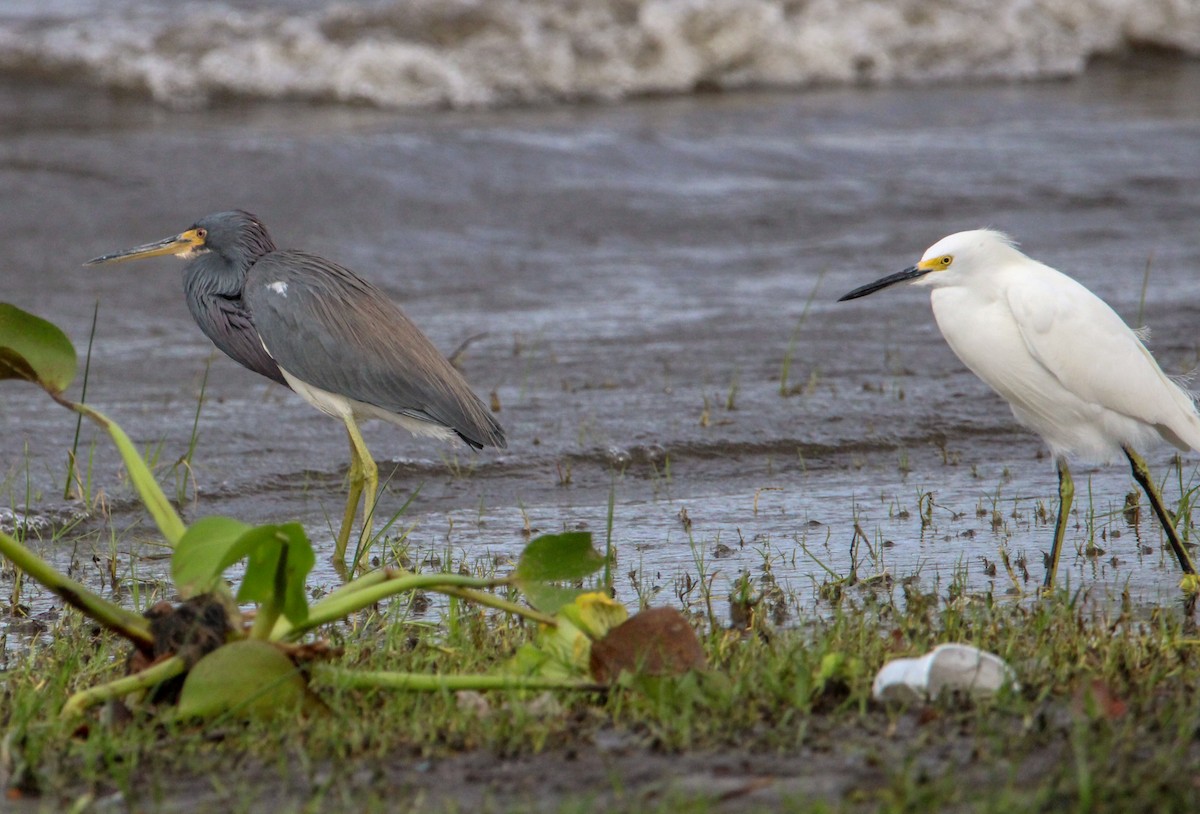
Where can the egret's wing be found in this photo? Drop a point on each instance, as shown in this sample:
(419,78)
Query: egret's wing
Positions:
(329,328)
(1090,350)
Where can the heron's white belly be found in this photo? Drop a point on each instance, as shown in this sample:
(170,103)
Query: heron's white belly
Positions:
(343,407)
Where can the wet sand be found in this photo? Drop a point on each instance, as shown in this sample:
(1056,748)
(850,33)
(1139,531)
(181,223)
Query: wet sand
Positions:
(636,271)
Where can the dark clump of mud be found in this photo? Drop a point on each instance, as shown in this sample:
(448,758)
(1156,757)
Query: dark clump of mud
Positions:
(191,630)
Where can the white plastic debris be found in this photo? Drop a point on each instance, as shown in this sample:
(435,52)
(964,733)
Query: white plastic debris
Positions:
(946,667)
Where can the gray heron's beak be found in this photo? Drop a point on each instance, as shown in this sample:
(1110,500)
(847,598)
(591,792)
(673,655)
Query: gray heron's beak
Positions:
(181,244)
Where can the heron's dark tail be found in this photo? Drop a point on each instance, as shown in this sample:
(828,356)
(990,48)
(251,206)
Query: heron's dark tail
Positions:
(488,434)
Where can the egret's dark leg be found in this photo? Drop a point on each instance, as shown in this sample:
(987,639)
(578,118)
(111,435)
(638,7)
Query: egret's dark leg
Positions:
(1141,473)
(364,480)
(1066,496)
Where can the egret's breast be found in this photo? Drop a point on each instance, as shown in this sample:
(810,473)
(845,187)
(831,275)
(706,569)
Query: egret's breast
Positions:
(982,333)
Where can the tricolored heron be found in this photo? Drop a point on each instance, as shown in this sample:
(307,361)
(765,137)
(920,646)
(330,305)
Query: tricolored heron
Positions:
(1068,366)
(325,332)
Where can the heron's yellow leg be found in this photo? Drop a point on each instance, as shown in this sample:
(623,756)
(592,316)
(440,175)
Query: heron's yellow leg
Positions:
(355,477)
(1066,496)
(1141,473)
(367,485)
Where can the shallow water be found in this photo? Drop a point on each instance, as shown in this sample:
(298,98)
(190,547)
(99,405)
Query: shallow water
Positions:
(636,271)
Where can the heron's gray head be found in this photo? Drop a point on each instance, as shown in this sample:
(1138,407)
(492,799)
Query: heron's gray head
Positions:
(236,237)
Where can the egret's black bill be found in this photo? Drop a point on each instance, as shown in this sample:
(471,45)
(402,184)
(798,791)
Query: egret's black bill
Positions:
(910,273)
(170,245)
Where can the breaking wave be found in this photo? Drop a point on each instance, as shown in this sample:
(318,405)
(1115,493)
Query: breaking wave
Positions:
(481,53)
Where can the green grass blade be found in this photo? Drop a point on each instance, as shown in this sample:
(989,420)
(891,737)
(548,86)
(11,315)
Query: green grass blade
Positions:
(150,677)
(72,475)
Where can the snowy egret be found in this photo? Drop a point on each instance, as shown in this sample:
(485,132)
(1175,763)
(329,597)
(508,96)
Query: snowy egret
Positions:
(1069,367)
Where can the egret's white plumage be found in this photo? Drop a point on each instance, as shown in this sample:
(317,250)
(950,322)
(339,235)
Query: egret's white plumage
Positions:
(1067,364)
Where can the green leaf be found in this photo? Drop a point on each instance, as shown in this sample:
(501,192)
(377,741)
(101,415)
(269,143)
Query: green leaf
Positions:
(201,556)
(280,559)
(248,678)
(563,650)
(550,598)
(34,350)
(559,652)
(595,613)
(558,557)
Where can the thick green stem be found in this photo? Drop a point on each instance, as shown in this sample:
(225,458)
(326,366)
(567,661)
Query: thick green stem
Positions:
(269,612)
(424,682)
(132,626)
(344,601)
(493,601)
(150,677)
(367,580)
(164,514)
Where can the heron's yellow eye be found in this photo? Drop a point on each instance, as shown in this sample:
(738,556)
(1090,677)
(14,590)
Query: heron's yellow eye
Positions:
(945,260)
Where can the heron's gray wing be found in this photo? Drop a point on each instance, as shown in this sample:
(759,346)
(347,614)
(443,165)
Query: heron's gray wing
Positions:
(227,323)
(330,328)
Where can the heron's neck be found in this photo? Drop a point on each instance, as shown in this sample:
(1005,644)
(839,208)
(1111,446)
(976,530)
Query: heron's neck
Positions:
(211,275)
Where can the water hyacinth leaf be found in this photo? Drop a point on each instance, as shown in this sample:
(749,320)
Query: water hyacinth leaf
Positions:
(655,642)
(559,652)
(558,557)
(280,559)
(201,556)
(531,660)
(595,613)
(564,650)
(34,350)
(248,677)
(549,598)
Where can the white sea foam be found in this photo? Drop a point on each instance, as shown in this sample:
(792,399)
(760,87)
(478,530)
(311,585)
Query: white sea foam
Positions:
(464,53)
